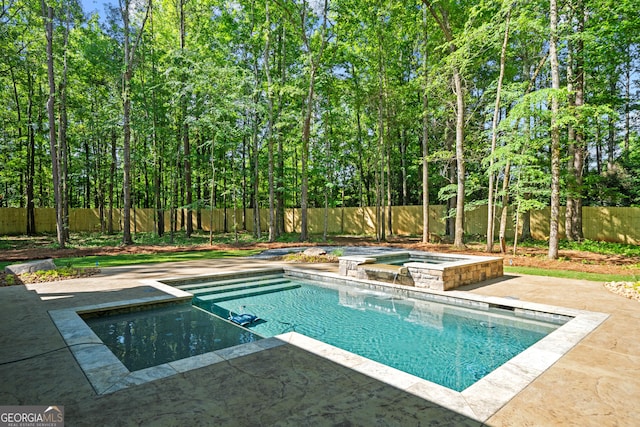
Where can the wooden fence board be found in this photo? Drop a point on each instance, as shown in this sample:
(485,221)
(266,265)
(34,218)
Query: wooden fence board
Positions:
(614,224)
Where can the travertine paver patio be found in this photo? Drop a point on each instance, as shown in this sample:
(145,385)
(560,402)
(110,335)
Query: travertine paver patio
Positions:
(597,383)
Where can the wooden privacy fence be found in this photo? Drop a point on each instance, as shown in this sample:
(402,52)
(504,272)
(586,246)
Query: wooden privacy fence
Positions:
(611,224)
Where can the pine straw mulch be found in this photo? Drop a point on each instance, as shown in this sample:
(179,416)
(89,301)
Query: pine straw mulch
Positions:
(63,273)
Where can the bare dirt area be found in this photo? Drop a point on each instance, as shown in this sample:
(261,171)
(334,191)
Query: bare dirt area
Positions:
(525,257)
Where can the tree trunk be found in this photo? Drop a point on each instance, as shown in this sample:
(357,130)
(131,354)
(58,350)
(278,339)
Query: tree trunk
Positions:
(188,181)
(450,224)
(257,226)
(627,102)
(580,146)
(199,190)
(403,167)
(269,136)
(31,169)
(325,219)
(425,132)
(31,147)
(129,55)
(382,130)
(313,64)
(306,131)
(388,185)
(185,137)
(244,182)
(505,208)
(157,145)
(425,138)
(225,191)
(212,191)
(126,129)
(280,200)
(174,193)
(611,139)
(460,114)
(494,136)
(112,179)
(555,135)
(381,235)
(47,14)
(442,18)
(62,131)
(576,141)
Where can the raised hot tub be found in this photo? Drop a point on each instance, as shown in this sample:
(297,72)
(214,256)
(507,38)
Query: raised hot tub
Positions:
(430,270)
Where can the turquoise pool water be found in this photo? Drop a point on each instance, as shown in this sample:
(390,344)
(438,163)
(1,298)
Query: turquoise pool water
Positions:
(146,338)
(445,344)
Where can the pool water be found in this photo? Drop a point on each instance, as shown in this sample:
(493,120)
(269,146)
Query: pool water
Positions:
(445,344)
(146,338)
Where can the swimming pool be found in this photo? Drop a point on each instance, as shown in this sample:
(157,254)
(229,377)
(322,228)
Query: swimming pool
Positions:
(480,401)
(446,344)
(142,339)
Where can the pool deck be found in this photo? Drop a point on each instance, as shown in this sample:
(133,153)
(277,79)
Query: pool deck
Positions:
(596,384)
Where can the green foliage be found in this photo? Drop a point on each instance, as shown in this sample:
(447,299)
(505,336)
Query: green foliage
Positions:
(288,238)
(380,58)
(337,252)
(605,248)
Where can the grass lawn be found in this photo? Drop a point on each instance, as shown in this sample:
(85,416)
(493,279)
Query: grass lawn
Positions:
(133,259)
(577,275)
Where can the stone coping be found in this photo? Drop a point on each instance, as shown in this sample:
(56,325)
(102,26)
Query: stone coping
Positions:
(455,260)
(485,397)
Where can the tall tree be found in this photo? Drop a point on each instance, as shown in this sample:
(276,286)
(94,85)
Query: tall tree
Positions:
(554,232)
(48,16)
(129,51)
(425,131)
(313,62)
(441,16)
(576,139)
(185,128)
(494,135)
(273,230)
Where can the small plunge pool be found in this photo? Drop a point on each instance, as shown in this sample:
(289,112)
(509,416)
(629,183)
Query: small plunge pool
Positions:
(146,338)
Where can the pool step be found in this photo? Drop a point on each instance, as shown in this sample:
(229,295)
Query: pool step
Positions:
(246,284)
(247,292)
(188,288)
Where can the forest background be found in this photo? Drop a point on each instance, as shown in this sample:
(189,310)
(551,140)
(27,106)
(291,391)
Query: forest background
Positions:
(185,105)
